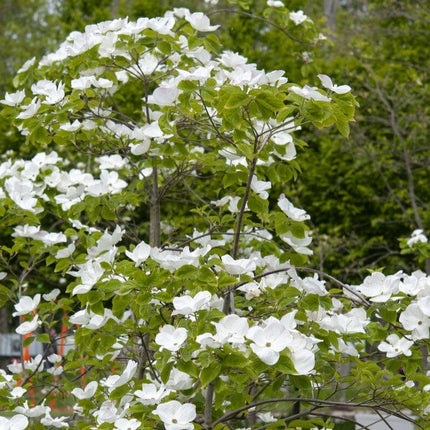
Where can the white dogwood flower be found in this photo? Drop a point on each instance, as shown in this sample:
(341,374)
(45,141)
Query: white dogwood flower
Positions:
(300,245)
(26,65)
(260,187)
(126,424)
(275,3)
(309,93)
(13,99)
(171,338)
(200,22)
(107,412)
(28,327)
(417,236)
(115,381)
(17,422)
(57,422)
(30,110)
(232,328)
(291,211)
(251,290)
(164,96)
(34,412)
(150,394)
(269,341)
(239,266)
(327,83)
(111,162)
(65,252)
(17,393)
(298,17)
(139,254)
(353,321)
(379,287)
(395,346)
(186,305)
(179,380)
(314,285)
(74,126)
(89,272)
(176,416)
(26,305)
(86,393)
(415,320)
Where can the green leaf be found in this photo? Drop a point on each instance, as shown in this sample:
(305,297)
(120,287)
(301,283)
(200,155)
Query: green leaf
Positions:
(311,302)
(234,360)
(221,427)
(98,308)
(343,127)
(108,213)
(301,382)
(268,103)
(208,374)
(285,112)
(119,304)
(212,43)
(285,365)
(164,47)
(188,86)
(62,265)
(307,424)
(188,367)
(236,99)
(270,99)
(388,315)
(207,276)
(257,204)
(232,118)
(230,178)
(225,280)
(43,338)
(186,271)
(27,341)
(4,294)
(165,372)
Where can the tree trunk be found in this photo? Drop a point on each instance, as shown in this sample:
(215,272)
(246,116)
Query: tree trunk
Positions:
(4,328)
(330,7)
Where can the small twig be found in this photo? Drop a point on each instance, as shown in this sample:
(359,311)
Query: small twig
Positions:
(260,18)
(317,403)
(335,281)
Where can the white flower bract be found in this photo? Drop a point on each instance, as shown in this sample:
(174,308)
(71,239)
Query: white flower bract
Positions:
(176,416)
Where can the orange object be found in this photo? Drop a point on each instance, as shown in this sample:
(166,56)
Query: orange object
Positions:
(26,357)
(82,368)
(62,339)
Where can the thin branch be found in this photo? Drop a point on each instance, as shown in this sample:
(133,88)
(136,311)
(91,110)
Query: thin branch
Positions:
(343,418)
(242,208)
(384,420)
(229,299)
(316,403)
(148,358)
(259,18)
(335,281)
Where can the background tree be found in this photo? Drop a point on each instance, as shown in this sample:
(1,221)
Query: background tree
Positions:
(373,188)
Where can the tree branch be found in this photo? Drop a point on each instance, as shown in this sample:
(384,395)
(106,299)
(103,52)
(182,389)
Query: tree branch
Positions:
(317,403)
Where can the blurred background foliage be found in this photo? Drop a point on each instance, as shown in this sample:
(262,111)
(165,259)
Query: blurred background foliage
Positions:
(363,193)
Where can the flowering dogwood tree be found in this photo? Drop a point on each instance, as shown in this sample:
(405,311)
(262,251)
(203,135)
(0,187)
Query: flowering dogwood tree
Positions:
(153,213)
